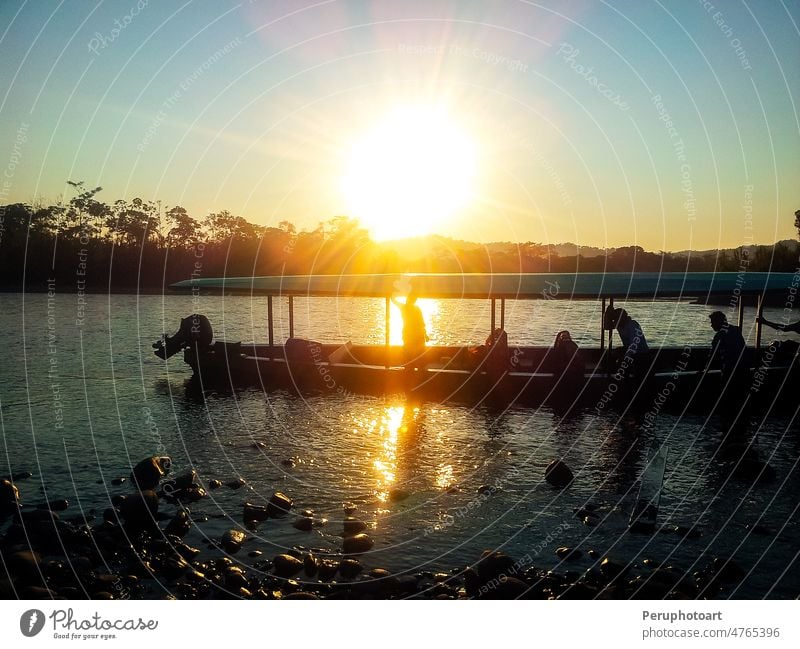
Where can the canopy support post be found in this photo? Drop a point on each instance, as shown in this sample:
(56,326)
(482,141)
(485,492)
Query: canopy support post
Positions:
(270,326)
(387,336)
(491,331)
(759,314)
(602,326)
(291,316)
(610,331)
(503,313)
(741,311)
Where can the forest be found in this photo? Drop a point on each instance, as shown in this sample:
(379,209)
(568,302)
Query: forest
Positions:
(136,245)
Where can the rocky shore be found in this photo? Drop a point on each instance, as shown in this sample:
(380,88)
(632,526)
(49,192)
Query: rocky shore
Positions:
(137,551)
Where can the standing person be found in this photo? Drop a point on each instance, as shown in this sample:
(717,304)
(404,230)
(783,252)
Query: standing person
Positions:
(631,357)
(414,334)
(727,347)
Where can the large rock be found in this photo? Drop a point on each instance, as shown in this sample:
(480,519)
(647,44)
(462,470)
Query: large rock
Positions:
(9,497)
(285,565)
(558,474)
(139,510)
(180,524)
(279,505)
(492,564)
(147,474)
(357,544)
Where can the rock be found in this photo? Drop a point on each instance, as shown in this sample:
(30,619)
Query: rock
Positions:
(147,474)
(593,554)
(257,513)
(186,480)
(9,497)
(353,526)
(492,564)
(505,588)
(258,444)
(350,568)
(558,474)
(232,541)
(214,484)
(21,475)
(301,594)
(139,510)
(611,569)
(326,569)
(279,505)
(487,490)
(310,565)
(254,553)
(180,524)
(237,483)
(285,565)
(118,481)
(396,495)
(24,566)
(58,505)
(357,544)
(304,524)
(568,554)
(349,509)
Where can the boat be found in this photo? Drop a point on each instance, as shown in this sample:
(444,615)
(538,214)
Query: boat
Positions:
(524,376)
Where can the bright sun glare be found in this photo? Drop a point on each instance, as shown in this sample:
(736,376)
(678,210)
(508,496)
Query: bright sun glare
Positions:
(409,173)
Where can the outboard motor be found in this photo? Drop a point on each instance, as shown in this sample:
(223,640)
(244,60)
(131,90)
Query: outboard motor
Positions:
(194,330)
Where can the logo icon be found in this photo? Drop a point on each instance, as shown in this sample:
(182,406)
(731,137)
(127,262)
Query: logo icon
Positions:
(31,622)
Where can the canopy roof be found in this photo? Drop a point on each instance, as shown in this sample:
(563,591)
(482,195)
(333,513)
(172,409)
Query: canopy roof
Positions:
(522,286)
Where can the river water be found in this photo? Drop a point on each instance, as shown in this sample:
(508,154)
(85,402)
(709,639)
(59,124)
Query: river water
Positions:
(82,398)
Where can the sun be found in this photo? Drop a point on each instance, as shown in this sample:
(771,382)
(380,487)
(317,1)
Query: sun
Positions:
(409,173)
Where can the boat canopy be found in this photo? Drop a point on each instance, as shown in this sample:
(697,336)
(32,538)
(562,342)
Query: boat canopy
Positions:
(519,286)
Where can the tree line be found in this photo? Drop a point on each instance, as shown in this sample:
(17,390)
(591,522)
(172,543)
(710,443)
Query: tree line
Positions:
(136,245)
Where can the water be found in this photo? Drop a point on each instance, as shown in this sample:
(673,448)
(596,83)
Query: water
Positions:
(82,401)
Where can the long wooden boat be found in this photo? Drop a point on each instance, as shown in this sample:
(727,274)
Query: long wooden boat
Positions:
(668,377)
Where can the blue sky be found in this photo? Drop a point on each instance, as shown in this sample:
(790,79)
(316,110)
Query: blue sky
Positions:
(253,107)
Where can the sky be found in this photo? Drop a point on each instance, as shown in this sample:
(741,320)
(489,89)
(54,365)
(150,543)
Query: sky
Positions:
(668,125)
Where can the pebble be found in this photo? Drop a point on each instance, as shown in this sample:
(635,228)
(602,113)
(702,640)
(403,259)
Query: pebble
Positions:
(214,484)
(236,484)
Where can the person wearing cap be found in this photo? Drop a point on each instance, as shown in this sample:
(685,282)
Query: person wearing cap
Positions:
(727,347)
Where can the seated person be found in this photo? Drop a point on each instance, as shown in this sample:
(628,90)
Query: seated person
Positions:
(567,358)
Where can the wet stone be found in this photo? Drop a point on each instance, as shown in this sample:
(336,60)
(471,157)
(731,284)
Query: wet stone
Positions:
(357,544)
(350,568)
(256,513)
(214,484)
(232,541)
(558,474)
(304,524)
(279,505)
(353,526)
(140,509)
(286,565)
(147,473)
(237,483)
(9,497)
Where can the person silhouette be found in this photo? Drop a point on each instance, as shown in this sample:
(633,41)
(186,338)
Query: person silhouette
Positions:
(414,333)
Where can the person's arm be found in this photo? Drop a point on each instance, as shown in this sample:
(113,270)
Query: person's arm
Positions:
(399,305)
(779,326)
